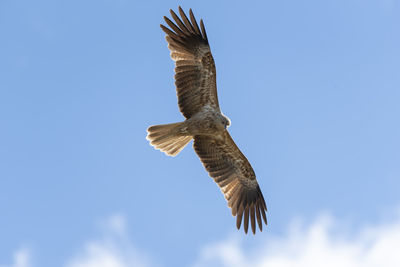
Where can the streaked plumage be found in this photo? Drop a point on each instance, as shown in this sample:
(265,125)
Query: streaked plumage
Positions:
(195,80)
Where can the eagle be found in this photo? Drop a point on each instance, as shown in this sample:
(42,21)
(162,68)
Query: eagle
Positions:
(196,86)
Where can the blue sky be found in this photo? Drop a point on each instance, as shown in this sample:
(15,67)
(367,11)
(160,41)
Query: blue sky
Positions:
(311,88)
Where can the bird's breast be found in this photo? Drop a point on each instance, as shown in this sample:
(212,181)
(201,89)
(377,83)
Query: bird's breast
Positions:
(206,122)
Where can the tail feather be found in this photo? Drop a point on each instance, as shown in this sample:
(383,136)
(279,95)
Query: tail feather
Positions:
(167,138)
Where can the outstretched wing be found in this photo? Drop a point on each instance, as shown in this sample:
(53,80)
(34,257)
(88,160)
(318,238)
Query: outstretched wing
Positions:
(195,74)
(234,175)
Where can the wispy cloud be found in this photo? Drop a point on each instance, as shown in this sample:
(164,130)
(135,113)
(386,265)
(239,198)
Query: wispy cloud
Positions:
(21,258)
(324,243)
(112,249)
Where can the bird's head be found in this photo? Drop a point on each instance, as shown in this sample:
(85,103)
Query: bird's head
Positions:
(226,121)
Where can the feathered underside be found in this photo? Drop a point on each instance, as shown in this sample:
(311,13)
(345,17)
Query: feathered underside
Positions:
(195,74)
(233,173)
(195,80)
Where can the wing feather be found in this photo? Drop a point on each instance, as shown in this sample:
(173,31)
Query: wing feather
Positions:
(195,73)
(188,25)
(194,22)
(235,177)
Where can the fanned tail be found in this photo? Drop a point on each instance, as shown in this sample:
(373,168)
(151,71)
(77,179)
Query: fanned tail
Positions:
(166,138)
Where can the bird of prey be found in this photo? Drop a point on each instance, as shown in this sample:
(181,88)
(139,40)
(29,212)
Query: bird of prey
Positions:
(195,80)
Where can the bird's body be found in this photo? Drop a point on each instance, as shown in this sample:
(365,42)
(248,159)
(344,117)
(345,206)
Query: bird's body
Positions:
(195,80)
(208,121)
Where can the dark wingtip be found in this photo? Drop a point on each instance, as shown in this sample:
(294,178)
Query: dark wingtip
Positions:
(238,223)
(172,12)
(250,209)
(203,30)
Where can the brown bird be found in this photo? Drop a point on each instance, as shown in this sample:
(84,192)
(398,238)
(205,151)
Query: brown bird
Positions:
(196,86)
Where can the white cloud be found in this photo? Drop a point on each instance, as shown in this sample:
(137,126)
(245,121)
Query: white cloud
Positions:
(113,249)
(21,258)
(323,243)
